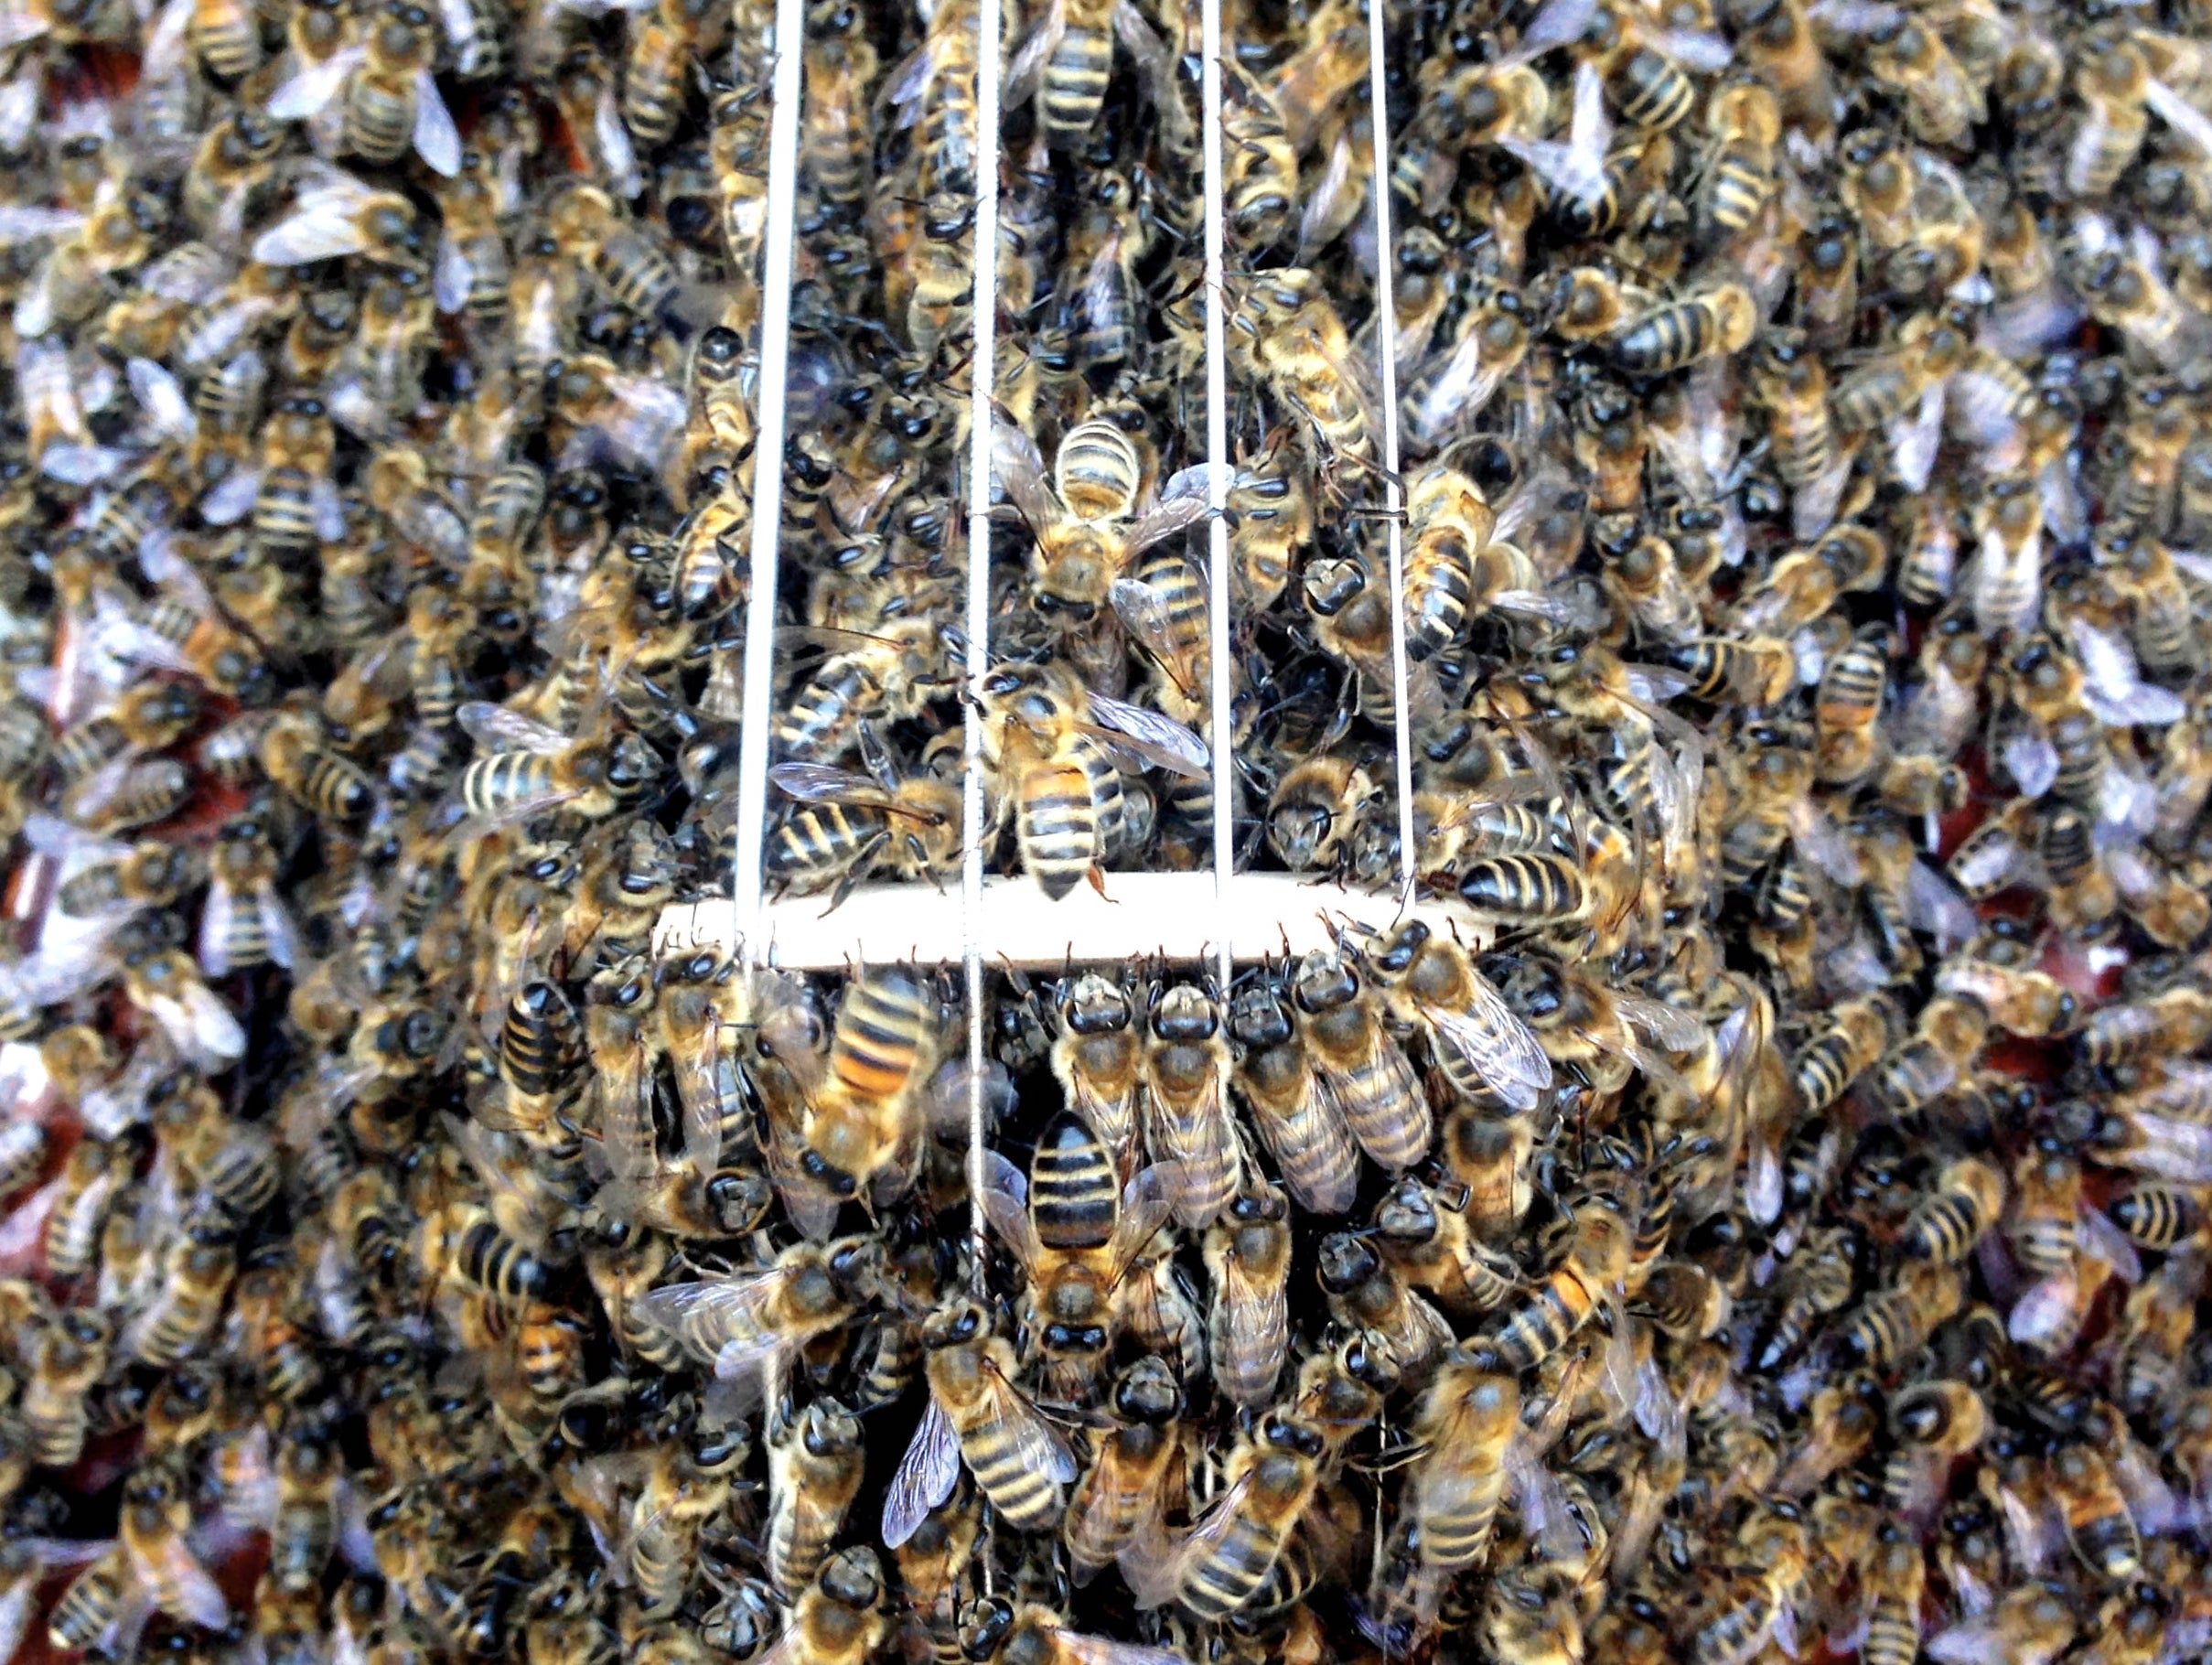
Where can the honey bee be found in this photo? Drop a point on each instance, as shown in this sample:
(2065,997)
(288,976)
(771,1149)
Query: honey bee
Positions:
(72,1354)
(1187,1120)
(840,1619)
(976,1415)
(752,1322)
(1133,1465)
(1220,1566)
(392,100)
(1247,1260)
(854,821)
(1482,1045)
(1075,1229)
(157,1510)
(1086,520)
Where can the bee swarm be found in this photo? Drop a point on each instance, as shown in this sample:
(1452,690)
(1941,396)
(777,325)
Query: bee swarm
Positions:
(1767,1217)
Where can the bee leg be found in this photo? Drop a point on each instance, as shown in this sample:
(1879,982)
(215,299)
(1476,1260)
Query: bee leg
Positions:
(861,863)
(1097,876)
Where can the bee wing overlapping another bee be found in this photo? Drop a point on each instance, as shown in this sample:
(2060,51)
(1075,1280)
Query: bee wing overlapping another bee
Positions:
(1152,739)
(1495,1041)
(929,1470)
(1576,166)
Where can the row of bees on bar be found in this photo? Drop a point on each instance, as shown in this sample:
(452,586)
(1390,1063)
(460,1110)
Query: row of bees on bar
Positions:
(1774,1223)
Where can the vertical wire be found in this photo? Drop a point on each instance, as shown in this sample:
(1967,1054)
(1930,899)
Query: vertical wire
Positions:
(983,376)
(1386,337)
(767,481)
(1217,498)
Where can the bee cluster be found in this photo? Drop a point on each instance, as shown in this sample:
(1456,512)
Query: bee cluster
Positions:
(1771,621)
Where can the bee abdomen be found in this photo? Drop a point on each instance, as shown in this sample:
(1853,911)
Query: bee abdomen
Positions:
(1073,1189)
(1525,886)
(1074,87)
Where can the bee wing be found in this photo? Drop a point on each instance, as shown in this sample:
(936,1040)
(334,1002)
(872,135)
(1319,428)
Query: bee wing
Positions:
(1159,740)
(451,277)
(1171,514)
(734,1307)
(1452,392)
(1157,1578)
(164,54)
(498,729)
(1146,1201)
(321,230)
(1667,1026)
(1028,70)
(818,783)
(1319,215)
(168,1563)
(925,1479)
(1005,1199)
(1578,166)
(2113,686)
(437,140)
(1156,65)
(615,147)
(2181,115)
(1072,1649)
(313,87)
(208,1026)
(22,223)
(1490,1034)
(1932,904)
(162,397)
(216,920)
(52,836)
(1556,24)
(1144,609)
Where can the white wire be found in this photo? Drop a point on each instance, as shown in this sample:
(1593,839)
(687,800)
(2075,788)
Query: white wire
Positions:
(1386,337)
(1217,498)
(767,481)
(982,369)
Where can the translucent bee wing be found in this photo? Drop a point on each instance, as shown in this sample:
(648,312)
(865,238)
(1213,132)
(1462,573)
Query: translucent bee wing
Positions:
(2045,1315)
(1577,166)
(81,465)
(169,1564)
(325,230)
(1165,519)
(1005,1199)
(437,140)
(2112,684)
(1453,391)
(1699,49)
(615,147)
(2098,1236)
(1914,440)
(1150,620)
(1156,66)
(1667,1026)
(498,729)
(702,1315)
(329,511)
(1491,1036)
(1557,23)
(1159,740)
(451,277)
(1146,1201)
(25,222)
(1026,72)
(162,397)
(1017,469)
(1932,904)
(216,920)
(201,1025)
(925,1479)
(1319,219)
(232,498)
(1156,1584)
(313,87)
(2167,1149)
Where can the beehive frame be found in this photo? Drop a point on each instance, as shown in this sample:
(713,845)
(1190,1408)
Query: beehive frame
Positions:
(1221,918)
